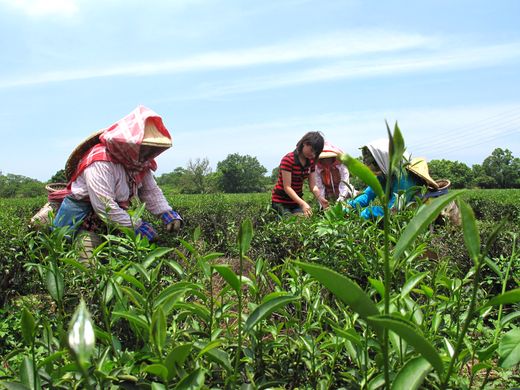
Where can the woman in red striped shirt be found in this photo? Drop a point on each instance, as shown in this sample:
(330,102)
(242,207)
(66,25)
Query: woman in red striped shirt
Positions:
(295,167)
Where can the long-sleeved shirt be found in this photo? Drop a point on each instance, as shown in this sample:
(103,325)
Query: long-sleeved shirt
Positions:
(106,185)
(340,187)
(405,183)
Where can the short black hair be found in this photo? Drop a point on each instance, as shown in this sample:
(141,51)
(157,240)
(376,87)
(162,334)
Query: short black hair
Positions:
(313,138)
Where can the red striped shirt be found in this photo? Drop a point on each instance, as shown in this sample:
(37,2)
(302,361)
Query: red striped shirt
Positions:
(291,163)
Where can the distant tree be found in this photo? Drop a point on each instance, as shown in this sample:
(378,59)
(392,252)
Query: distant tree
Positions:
(503,167)
(20,186)
(172,180)
(195,177)
(59,177)
(458,173)
(241,174)
(274,175)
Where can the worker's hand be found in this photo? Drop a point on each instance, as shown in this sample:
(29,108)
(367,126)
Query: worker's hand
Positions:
(307,211)
(323,202)
(173,220)
(145,229)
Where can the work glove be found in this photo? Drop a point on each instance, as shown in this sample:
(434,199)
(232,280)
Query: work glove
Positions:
(173,220)
(145,229)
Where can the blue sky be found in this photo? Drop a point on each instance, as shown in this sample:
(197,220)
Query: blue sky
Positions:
(251,77)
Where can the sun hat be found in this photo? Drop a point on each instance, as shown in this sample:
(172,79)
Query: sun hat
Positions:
(330,150)
(419,167)
(79,151)
(153,137)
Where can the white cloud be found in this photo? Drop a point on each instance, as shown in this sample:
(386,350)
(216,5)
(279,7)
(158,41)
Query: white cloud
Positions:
(336,45)
(476,57)
(43,8)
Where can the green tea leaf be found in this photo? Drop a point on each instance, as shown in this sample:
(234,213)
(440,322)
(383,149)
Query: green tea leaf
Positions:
(14,386)
(193,381)
(245,235)
(28,326)
(265,309)
(511,296)
(509,349)
(418,223)
(407,331)
(136,320)
(158,252)
(159,328)
(343,288)
(360,170)
(411,283)
(229,276)
(412,374)
(397,147)
(156,369)
(55,284)
(471,234)
(27,374)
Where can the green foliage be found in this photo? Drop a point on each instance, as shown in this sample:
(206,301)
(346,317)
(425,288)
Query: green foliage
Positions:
(17,186)
(241,174)
(460,175)
(167,315)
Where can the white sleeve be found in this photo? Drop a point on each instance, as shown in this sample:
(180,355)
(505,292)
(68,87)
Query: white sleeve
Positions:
(344,189)
(319,182)
(101,184)
(152,196)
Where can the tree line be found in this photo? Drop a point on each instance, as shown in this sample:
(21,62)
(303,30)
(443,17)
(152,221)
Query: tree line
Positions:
(244,174)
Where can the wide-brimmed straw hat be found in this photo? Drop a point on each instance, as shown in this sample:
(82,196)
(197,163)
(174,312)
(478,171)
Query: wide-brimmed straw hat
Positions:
(79,151)
(153,137)
(330,150)
(419,167)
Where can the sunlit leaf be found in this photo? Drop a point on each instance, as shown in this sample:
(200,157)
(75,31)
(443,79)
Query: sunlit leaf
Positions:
(55,284)
(412,374)
(229,276)
(28,326)
(511,296)
(159,328)
(27,374)
(360,170)
(265,309)
(408,332)
(421,221)
(157,252)
(509,349)
(156,369)
(193,381)
(397,147)
(136,320)
(471,234)
(410,283)
(343,288)
(81,337)
(245,235)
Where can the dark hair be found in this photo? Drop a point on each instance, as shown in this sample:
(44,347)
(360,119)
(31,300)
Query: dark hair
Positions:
(313,138)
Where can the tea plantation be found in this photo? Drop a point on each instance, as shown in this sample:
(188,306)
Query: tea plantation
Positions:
(242,299)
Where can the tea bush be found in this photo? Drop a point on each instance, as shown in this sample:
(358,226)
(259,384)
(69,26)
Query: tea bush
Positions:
(178,314)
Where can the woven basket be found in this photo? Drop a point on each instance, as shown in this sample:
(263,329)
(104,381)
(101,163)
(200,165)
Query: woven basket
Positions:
(53,187)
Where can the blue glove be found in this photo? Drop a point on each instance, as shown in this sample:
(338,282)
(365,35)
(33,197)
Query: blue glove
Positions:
(173,220)
(146,230)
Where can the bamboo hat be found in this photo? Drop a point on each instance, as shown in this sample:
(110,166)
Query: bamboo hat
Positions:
(330,150)
(79,151)
(419,167)
(153,137)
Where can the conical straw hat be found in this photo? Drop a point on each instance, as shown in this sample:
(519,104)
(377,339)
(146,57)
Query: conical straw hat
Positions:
(79,151)
(153,137)
(419,167)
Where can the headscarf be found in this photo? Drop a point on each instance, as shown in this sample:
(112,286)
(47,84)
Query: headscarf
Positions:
(329,150)
(379,150)
(121,143)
